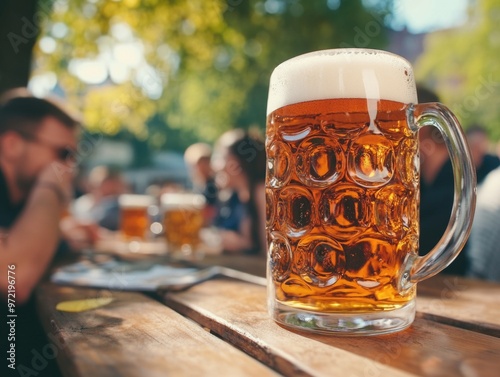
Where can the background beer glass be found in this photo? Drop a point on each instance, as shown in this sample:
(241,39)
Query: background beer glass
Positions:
(342,192)
(182,221)
(134,216)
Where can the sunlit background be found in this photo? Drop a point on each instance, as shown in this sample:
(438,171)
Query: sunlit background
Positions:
(426,16)
(152,76)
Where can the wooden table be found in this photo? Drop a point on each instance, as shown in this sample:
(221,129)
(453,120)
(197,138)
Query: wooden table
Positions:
(221,328)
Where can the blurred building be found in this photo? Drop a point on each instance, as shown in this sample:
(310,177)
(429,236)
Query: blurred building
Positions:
(406,44)
(165,166)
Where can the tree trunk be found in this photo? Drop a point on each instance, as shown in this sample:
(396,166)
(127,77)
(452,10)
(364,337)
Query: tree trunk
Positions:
(20,22)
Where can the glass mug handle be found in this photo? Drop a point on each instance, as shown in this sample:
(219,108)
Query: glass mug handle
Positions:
(464,202)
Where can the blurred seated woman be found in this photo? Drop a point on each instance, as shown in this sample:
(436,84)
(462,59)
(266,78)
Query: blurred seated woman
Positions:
(239,161)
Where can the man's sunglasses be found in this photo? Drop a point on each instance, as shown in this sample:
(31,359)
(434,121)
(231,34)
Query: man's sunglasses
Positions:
(62,152)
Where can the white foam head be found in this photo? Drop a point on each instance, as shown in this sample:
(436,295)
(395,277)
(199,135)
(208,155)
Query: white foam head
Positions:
(135,201)
(182,200)
(342,73)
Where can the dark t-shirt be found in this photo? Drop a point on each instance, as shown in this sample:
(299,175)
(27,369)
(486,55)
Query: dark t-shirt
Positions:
(230,213)
(436,203)
(8,211)
(29,339)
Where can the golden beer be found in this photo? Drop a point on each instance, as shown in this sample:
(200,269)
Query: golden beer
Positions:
(342,192)
(183,220)
(134,217)
(345,199)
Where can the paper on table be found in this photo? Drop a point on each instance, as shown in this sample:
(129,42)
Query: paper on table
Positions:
(120,275)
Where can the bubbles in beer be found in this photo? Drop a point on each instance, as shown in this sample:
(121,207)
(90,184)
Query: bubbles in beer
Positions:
(278,164)
(393,210)
(341,204)
(357,256)
(298,128)
(345,210)
(294,287)
(343,125)
(295,208)
(280,257)
(370,259)
(319,161)
(269,207)
(394,129)
(408,246)
(321,260)
(371,161)
(408,156)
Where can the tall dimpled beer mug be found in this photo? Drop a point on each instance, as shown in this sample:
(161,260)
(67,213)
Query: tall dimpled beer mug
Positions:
(342,192)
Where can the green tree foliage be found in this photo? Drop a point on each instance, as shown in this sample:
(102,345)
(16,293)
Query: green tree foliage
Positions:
(176,70)
(462,66)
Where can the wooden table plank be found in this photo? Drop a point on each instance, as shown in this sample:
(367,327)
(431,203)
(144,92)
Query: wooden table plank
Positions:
(465,303)
(252,264)
(135,336)
(237,312)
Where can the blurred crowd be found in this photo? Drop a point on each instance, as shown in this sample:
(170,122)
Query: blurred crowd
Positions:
(41,217)
(230,175)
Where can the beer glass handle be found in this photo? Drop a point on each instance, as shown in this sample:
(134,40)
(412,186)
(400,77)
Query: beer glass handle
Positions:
(464,202)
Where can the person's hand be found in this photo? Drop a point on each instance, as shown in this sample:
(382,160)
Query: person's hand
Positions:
(78,234)
(61,180)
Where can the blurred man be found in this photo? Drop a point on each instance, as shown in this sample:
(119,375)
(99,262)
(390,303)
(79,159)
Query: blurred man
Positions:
(37,138)
(34,134)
